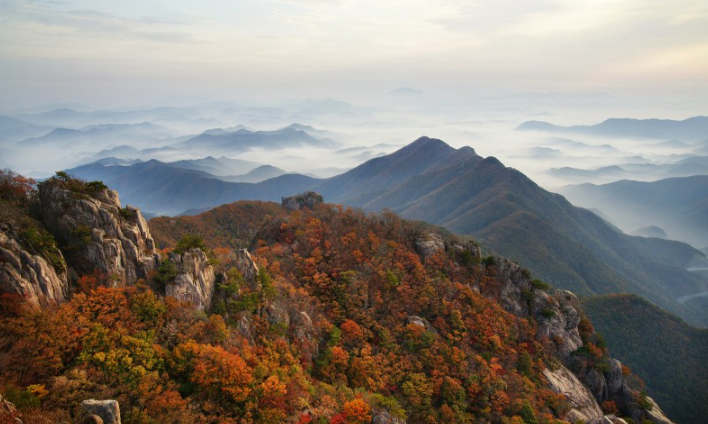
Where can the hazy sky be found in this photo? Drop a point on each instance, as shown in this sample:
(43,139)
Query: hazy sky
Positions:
(132,51)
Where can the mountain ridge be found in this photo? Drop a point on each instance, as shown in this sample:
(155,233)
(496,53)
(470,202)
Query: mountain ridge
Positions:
(694,128)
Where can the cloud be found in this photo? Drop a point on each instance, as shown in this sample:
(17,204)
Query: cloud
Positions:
(51,18)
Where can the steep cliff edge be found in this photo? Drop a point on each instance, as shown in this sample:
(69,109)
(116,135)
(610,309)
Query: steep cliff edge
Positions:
(195,280)
(563,327)
(27,273)
(95,233)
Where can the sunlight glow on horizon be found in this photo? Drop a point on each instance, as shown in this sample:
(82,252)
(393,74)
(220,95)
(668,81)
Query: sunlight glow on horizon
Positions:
(89,51)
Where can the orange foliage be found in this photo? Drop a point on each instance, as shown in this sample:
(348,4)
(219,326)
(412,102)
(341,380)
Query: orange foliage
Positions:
(356,412)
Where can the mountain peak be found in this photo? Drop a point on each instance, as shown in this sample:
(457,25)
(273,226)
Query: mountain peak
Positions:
(428,142)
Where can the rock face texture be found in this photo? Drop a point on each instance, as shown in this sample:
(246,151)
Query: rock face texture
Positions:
(247,267)
(583,403)
(384,417)
(305,200)
(27,274)
(98,233)
(107,410)
(654,414)
(195,281)
(428,244)
(558,315)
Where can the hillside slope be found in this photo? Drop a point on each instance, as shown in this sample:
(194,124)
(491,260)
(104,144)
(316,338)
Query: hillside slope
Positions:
(673,361)
(568,246)
(334,316)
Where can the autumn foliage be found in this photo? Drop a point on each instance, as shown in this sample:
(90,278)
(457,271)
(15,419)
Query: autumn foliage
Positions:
(327,337)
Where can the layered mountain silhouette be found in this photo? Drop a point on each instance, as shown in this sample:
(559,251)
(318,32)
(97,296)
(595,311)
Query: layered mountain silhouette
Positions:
(12,129)
(686,167)
(219,166)
(678,205)
(428,180)
(243,139)
(161,188)
(695,128)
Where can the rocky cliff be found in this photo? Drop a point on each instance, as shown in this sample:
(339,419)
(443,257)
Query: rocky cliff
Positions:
(95,232)
(196,279)
(26,273)
(595,376)
(584,382)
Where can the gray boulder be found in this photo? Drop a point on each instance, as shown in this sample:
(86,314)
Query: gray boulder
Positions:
(107,410)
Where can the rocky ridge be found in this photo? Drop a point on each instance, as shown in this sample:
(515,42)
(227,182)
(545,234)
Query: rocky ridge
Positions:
(558,317)
(97,232)
(100,235)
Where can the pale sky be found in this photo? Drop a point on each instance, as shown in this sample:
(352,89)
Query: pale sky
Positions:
(132,51)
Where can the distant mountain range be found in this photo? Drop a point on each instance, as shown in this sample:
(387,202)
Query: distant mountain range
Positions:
(162,188)
(677,205)
(242,140)
(12,129)
(695,128)
(572,247)
(98,135)
(218,166)
(693,165)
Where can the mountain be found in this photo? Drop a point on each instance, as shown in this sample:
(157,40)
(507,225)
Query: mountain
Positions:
(165,189)
(78,119)
(678,205)
(650,231)
(12,130)
(232,225)
(570,173)
(685,167)
(220,166)
(333,315)
(406,91)
(428,180)
(99,135)
(694,128)
(673,360)
(262,173)
(242,140)
(572,248)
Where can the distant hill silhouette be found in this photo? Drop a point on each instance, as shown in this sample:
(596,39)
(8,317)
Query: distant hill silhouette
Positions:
(164,189)
(678,205)
(695,128)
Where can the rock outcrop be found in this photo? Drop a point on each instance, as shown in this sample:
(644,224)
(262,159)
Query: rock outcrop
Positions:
(107,410)
(248,268)
(96,233)
(428,244)
(583,404)
(28,274)
(195,281)
(308,199)
(384,417)
(653,413)
(558,315)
